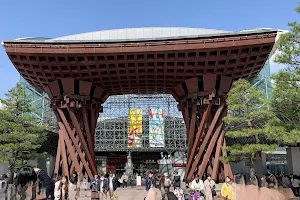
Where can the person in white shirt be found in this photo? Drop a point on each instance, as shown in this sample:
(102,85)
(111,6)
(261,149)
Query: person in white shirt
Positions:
(295,185)
(198,187)
(56,189)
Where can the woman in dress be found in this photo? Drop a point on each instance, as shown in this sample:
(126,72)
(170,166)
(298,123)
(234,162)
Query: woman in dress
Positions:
(209,188)
(64,188)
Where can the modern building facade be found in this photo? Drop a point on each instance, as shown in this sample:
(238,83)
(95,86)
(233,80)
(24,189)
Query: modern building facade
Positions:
(195,66)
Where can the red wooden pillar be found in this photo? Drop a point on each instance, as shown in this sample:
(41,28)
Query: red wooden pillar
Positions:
(203,105)
(76,106)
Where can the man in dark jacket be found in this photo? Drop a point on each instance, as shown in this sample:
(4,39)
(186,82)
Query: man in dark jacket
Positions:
(176,180)
(105,186)
(150,181)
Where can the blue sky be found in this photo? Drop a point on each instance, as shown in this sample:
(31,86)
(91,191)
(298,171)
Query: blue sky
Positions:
(20,18)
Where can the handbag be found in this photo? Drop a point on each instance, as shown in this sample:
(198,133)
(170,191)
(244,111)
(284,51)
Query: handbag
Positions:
(213,192)
(95,195)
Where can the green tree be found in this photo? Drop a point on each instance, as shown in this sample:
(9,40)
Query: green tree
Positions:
(289,45)
(248,115)
(285,95)
(21,137)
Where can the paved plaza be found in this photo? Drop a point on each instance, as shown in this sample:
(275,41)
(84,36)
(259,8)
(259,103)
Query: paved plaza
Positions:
(134,193)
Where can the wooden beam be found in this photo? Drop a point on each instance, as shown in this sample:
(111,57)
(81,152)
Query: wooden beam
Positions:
(196,143)
(209,150)
(70,148)
(65,167)
(216,161)
(205,141)
(82,141)
(88,132)
(58,154)
(191,135)
(227,169)
(75,142)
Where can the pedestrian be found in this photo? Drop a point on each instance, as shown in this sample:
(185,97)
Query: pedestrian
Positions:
(85,183)
(124,179)
(104,186)
(209,188)
(186,191)
(113,187)
(64,188)
(197,187)
(295,185)
(73,185)
(95,187)
(227,189)
(150,182)
(56,188)
(39,181)
(166,184)
(176,180)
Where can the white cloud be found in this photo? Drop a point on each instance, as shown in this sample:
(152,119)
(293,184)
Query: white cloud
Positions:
(275,67)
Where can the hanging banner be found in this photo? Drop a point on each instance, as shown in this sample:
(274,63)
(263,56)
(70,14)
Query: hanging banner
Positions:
(135,129)
(156,127)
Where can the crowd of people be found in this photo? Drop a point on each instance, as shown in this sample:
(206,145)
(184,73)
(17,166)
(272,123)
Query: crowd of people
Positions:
(196,189)
(34,183)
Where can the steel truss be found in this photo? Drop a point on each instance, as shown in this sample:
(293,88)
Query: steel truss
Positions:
(112,126)
(41,106)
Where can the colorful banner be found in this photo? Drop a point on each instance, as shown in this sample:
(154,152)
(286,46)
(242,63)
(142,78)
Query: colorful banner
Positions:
(135,129)
(156,128)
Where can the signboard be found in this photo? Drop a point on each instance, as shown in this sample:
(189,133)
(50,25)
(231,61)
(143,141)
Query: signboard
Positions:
(178,165)
(135,128)
(156,127)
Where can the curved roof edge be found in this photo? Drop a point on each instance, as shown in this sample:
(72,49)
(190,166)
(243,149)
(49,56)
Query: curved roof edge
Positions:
(140,34)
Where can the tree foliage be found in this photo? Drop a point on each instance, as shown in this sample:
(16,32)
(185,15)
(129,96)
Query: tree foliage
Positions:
(289,45)
(247,120)
(21,137)
(285,95)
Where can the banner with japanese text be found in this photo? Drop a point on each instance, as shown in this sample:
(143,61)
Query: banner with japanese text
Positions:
(156,127)
(135,128)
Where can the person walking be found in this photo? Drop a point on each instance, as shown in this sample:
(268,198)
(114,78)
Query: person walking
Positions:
(56,188)
(209,188)
(176,180)
(150,182)
(166,181)
(104,186)
(124,179)
(227,189)
(197,187)
(85,183)
(42,184)
(73,185)
(113,187)
(64,188)
(95,187)
(295,185)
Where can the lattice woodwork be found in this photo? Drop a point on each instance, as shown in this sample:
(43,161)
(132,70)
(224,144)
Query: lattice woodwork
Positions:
(142,67)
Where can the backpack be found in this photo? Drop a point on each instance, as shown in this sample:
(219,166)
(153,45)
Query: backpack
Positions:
(167,183)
